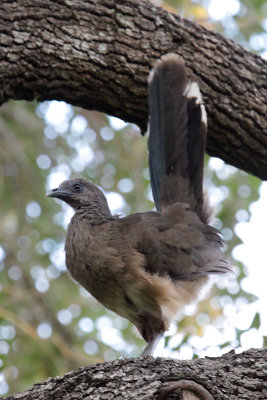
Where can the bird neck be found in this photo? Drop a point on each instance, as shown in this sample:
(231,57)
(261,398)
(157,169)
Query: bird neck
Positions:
(94,212)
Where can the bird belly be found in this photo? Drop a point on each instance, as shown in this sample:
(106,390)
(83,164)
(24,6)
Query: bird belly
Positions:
(121,283)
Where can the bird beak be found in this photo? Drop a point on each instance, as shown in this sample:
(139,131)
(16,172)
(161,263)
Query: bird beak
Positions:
(58,193)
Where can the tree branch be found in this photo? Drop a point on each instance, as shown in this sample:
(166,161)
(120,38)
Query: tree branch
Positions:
(232,376)
(97,54)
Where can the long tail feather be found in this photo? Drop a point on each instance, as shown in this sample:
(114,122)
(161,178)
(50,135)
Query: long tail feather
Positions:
(177,136)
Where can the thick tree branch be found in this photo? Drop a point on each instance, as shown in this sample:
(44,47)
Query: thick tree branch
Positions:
(97,54)
(232,376)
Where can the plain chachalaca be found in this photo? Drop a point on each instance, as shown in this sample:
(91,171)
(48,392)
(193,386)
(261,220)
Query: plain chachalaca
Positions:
(148,266)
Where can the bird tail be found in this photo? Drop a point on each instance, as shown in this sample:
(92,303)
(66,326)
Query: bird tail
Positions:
(176,144)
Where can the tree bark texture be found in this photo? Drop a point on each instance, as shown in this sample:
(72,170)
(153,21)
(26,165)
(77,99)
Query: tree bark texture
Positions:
(232,376)
(97,54)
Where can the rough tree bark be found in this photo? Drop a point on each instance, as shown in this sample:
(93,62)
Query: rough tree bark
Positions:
(232,376)
(97,54)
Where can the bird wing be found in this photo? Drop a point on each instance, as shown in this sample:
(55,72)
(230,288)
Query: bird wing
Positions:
(175,243)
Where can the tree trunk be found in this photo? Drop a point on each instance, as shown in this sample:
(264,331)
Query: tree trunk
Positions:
(97,54)
(232,376)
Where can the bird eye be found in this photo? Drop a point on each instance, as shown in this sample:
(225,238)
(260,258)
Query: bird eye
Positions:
(77,187)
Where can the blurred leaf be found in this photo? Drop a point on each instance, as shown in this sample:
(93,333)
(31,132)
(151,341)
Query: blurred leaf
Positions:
(256,321)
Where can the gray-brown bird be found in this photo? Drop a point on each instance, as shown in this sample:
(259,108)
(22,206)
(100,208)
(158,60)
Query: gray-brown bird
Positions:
(148,266)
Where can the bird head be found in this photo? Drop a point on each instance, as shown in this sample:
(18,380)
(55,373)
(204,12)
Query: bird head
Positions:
(81,194)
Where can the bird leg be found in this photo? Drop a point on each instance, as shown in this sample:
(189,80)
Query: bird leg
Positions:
(152,344)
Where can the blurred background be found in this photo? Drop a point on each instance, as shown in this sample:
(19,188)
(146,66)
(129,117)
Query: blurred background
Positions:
(50,325)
